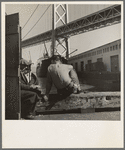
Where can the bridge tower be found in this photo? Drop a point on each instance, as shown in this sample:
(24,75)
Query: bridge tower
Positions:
(59,17)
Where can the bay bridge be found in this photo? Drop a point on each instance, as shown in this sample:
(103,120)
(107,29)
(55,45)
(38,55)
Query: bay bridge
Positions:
(103,18)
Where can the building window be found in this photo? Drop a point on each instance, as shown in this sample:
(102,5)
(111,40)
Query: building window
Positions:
(103,50)
(89,61)
(88,66)
(99,59)
(111,48)
(119,46)
(107,49)
(116,47)
(98,52)
(76,66)
(82,66)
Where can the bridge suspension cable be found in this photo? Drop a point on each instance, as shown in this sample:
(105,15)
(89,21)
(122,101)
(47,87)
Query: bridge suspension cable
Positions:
(103,18)
(30,17)
(37,21)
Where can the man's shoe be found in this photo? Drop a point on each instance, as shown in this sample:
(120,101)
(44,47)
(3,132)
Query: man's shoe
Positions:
(47,103)
(79,91)
(40,104)
(43,104)
(75,91)
(30,117)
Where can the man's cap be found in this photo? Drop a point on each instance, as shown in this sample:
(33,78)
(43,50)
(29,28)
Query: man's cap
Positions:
(25,62)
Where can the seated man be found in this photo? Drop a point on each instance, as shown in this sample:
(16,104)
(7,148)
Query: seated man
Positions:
(63,76)
(30,94)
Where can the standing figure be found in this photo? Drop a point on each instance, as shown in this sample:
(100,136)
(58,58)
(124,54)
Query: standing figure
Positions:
(63,76)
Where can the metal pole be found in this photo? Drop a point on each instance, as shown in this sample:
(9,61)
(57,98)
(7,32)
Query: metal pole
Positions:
(20,43)
(30,56)
(72,52)
(20,56)
(67,46)
(66,39)
(46,49)
(53,29)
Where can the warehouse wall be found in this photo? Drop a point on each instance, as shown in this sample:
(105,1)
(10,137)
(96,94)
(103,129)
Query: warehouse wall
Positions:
(105,52)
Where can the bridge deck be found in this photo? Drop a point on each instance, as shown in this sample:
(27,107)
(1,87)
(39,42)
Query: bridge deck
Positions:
(103,18)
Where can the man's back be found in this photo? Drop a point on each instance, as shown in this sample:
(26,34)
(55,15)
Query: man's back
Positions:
(60,74)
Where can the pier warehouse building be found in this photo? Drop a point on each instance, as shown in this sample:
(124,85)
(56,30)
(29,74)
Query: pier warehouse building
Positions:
(105,58)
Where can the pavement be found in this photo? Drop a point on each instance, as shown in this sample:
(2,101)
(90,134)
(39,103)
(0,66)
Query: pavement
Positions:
(79,106)
(113,115)
(83,106)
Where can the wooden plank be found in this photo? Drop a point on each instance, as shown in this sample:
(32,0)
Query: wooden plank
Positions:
(12,98)
(12,110)
(96,94)
(12,24)
(78,110)
(12,52)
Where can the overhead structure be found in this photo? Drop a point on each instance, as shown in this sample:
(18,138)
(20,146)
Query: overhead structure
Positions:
(59,17)
(102,18)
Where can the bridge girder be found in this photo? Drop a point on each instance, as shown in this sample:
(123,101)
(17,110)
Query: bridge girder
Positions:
(103,18)
(60,16)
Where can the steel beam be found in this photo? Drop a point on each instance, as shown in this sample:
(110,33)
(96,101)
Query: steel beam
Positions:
(103,18)
(53,29)
(59,17)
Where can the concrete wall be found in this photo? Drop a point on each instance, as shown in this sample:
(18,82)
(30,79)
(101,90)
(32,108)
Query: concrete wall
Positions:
(105,52)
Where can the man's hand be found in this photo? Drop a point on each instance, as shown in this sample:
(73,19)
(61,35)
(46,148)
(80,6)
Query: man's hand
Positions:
(46,97)
(35,86)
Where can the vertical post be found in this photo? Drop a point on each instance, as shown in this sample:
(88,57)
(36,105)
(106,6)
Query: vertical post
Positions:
(12,67)
(59,15)
(30,57)
(20,56)
(67,47)
(67,40)
(53,29)
(20,43)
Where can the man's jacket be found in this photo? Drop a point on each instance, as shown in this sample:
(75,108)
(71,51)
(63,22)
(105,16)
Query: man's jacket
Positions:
(25,85)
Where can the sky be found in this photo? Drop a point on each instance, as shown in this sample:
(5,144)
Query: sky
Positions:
(82,42)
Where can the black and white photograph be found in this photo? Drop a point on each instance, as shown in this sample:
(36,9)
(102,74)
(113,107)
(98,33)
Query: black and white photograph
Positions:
(62,69)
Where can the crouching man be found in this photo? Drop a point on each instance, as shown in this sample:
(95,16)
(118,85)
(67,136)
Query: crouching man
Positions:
(64,78)
(30,94)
